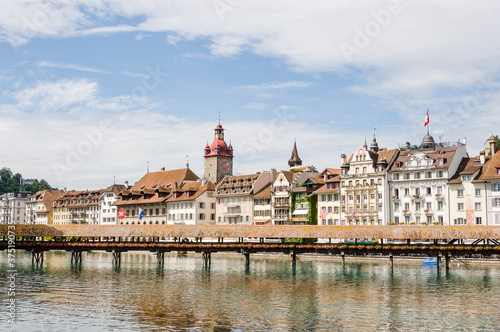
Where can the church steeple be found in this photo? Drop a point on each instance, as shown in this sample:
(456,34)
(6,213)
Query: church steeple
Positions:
(295,159)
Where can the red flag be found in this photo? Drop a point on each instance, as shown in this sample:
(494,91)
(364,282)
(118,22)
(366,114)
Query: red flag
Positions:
(426,119)
(122,213)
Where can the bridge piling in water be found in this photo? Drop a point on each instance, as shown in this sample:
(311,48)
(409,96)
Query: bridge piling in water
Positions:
(117,257)
(76,257)
(247,257)
(207,259)
(438,260)
(160,257)
(36,257)
(342,254)
(448,259)
(293,258)
(391,260)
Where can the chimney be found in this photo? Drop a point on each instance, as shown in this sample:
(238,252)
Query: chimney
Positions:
(482,157)
(126,184)
(465,141)
(175,185)
(163,168)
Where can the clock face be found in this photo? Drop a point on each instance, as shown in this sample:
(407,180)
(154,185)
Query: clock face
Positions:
(221,136)
(224,165)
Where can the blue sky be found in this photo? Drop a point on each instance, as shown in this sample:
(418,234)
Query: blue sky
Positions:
(97,89)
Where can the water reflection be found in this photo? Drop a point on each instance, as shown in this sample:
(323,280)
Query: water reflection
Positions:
(268,295)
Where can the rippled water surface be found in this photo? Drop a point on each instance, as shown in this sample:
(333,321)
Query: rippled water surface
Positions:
(270,295)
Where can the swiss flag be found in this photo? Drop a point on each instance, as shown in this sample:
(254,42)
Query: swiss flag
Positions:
(426,119)
(122,213)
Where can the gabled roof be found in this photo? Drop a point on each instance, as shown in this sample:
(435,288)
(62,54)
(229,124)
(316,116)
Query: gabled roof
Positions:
(115,188)
(445,153)
(155,180)
(490,168)
(264,193)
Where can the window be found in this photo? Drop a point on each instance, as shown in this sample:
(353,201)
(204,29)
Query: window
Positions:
(477,206)
(428,191)
(429,220)
(460,206)
(440,190)
(467,178)
(220,218)
(497,171)
(157,211)
(428,175)
(396,206)
(440,174)
(440,220)
(479,221)
(417,175)
(428,206)
(440,206)
(407,192)
(396,177)
(407,206)
(460,193)
(496,202)
(202,205)
(406,176)
(417,206)
(202,216)
(212,216)
(440,162)
(460,221)
(330,210)
(478,192)
(496,187)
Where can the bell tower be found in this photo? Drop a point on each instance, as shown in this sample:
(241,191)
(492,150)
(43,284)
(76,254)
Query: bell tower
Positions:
(218,157)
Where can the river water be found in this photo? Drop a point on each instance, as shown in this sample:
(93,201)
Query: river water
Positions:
(270,295)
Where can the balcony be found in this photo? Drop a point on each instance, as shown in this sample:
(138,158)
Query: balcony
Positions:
(417,198)
(395,198)
(439,197)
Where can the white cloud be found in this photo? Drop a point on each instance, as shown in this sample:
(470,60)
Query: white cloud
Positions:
(71,66)
(276,85)
(53,96)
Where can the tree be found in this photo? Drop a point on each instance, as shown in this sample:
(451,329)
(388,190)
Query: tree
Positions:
(10,182)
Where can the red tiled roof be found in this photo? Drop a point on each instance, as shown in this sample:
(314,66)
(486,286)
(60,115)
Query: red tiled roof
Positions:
(490,168)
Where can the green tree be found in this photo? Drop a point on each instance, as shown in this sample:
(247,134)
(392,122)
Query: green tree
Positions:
(10,182)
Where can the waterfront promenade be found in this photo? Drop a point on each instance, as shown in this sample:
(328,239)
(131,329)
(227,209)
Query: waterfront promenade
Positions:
(433,241)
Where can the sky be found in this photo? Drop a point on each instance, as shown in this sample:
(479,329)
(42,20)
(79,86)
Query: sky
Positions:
(94,91)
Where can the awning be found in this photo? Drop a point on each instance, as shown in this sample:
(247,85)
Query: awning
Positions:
(300,212)
(261,221)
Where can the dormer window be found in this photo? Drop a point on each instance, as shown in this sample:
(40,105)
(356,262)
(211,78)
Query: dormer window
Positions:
(441,162)
(497,171)
(440,152)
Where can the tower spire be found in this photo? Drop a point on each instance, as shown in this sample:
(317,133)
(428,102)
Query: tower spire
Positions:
(295,159)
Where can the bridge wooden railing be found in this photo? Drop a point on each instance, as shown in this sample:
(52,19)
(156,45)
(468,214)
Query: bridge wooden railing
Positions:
(232,231)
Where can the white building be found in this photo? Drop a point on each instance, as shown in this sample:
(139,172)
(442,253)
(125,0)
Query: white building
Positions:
(281,198)
(364,185)
(108,212)
(418,182)
(13,208)
(192,204)
(262,206)
(234,195)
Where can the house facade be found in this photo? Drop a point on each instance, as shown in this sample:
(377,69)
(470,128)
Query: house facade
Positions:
(13,207)
(107,211)
(40,207)
(77,207)
(329,203)
(418,182)
(234,199)
(364,185)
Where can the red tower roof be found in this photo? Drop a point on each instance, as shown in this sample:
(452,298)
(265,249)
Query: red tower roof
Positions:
(218,146)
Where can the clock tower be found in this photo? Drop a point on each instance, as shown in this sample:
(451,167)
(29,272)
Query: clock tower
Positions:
(218,157)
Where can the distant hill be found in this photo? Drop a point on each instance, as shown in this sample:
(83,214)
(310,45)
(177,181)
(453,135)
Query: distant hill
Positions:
(10,183)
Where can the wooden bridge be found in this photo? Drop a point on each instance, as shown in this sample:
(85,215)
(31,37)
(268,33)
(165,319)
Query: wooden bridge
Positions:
(390,241)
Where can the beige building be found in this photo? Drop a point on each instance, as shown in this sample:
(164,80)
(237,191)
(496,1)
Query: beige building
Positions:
(39,207)
(329,204)
(77,207)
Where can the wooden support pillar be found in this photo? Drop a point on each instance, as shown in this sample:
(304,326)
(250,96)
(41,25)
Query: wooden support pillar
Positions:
(438,261)
(448,260)
(207,260)
(117,257)
(76,257)
(160,257)
(293,258)
(36,257)
(342,254)
(408,241)
(391,260)
(247,257)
